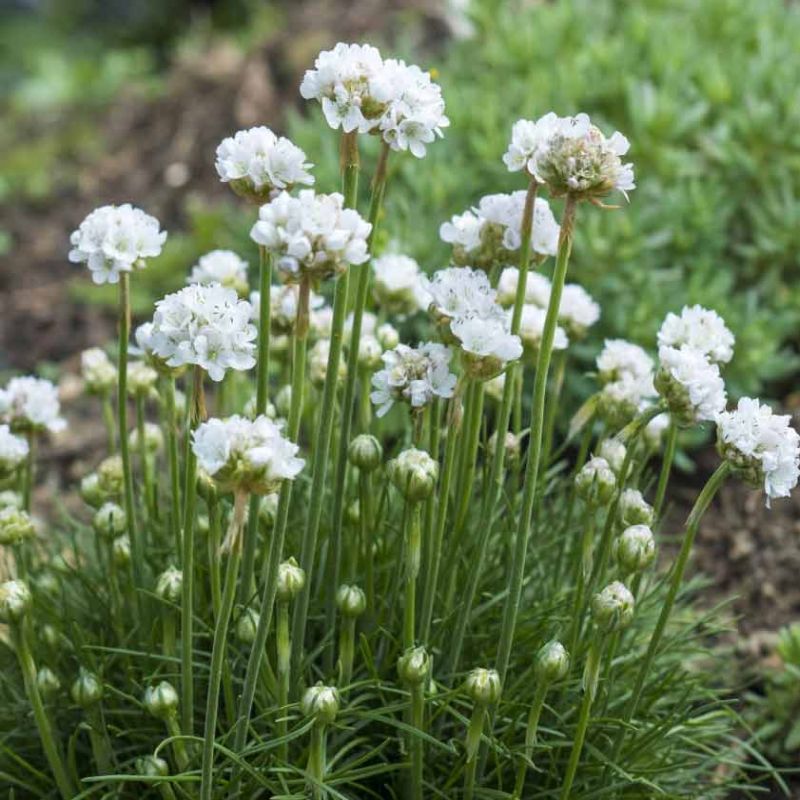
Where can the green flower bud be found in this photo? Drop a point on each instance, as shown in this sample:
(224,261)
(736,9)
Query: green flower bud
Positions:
(16,525)
(268,510)
(15,601)
(321,702)
(152,767)
(202,524)
(283,401)
(110,477)
(206,487)
(595,483)
(153,438)
(110,521)
(513,448)
(552,662)
(614,452)
(387,335)
(91,492)
(121,551)
(612,608)
(353,513)
(351,601)
(169,585)
(246,626)
(47,682)
(50,636)
(365,452)
(414,473)
(291,580)
(634,509)
(87,689)
(413,666)
(142,378)
(483,686)
(47,583)
(635,548)
(161,700)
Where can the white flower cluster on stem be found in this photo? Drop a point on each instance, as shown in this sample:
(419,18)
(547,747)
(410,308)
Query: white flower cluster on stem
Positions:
(31,404)
(223,267)
(13,451)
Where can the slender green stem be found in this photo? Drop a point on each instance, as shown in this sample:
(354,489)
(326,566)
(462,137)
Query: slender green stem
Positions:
(108,420)
(530,738)
(679,568)
(52,753)
(474,733)
(98,738)
(413,550)
(666,468)
(556,385)
(317,759)
(147,475)
(168,631)
(187,562)
(472,438)
(171,425)
(219,645)
(283,645)
(178,744)
(347,647)
(583,570)
(214,541)
(517,565)
(415,742)
(247,586)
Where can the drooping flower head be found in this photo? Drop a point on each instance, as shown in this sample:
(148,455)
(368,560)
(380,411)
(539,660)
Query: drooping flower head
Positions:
(690,384)
(13,451)
(414,376)
(312,235)
(256,163)
(223,267)
(701,329)
(397,284)
(487,344)
(208,326)
(31,404)
(246,455)
(114,239)
(762,447)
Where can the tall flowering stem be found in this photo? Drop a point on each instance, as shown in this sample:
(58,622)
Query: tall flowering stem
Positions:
(350,168)
(517,566)
(349,400)
(666,468)
(171,424)
(262,395)
(413,554)
(679,568)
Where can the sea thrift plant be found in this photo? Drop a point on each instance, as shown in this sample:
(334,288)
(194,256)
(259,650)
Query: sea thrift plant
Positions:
(268,585)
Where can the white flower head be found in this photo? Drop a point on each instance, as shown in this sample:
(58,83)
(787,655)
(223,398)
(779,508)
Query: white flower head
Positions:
(208,326)
(414,376)
(527,139)
(537,288)
(397,284)
(318,363)
(256,162)
(578,311)
(115,239)
(97,371)
(619,358)
(142,378)
(283,306)
(13,451)
(575,157)
(246,455)
(762,447)
(487,344)
(691,385)
(654,431)
(699,328)
(31,404)
(312,235)
(620,400)
(459,291)
(223,267)
(531,329)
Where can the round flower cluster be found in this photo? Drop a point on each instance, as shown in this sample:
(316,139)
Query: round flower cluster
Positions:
(413,375)
(702,330)
(487,235)
(761,446)
(537,288)
(283,306)
(625,371)
(690,384)
(256,162)
(311,236)
(248,455)
(531,329)
(459,291)
(114,239)
(360,92)
(414,473)
(396,284)
(223,267)
(487,344)
(570,155)
(208,326)
(13,451)
(31,404)
(98,373)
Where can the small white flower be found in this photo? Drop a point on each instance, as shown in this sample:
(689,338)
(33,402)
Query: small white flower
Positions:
(98,373)
(527,139)
(690,383)
(114,239)
(208,326)
(487,344)
(620,400)
(762,447)
(311,235)
(699,328)
(531,329)
(463,230)
(459,291)
(413,375)
(654,431)
(398,285)
(13,451)
(223,267)
(256,162)
(31,404)
(577,311)
(613,451)
(619,358)
(537,288)
(283,306)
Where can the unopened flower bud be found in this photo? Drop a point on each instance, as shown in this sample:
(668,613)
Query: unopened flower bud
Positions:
(97,371)
(153,438)
(206,487)
(169,585)
(110,476)
(552,662)
(483,686)
(413,666)
(91,491)
(513,447)
(247,625)
(387,335)
(321,702)
(47,583)
(161,700)
(141,378)
(15,601)
(353,512)
(121,551)
(595,483)
(283,400)
(87,689)
(152,767)
(291,580)
(613,451)
(47,681)
(268,510)
(351,601)
(16,525)
(414,473)
(653,432)
(50,636)
(365,452)
(612,608)
(636,548)
(634,509)
(110,521)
